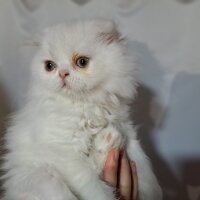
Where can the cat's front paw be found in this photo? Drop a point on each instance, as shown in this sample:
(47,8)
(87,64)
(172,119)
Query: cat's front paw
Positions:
(104,141)
(108,139)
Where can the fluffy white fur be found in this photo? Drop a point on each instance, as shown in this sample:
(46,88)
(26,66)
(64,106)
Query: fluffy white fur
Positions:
(58,141)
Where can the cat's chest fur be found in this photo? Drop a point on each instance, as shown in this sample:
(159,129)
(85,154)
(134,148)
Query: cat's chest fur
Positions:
(68,125)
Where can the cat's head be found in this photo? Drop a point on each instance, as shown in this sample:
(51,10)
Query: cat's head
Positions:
(84,60)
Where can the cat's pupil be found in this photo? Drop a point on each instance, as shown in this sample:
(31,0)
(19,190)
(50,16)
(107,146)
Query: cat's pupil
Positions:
(82,62)
(49,66)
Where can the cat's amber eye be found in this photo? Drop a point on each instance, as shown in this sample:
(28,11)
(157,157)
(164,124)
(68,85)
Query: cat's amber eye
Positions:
(82,62)
(50,65)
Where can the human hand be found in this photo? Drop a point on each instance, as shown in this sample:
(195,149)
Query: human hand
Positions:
(121,173)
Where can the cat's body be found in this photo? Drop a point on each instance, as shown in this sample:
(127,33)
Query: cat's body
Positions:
(59,141)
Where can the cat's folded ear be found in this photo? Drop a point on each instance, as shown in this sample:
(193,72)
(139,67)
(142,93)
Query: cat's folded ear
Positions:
(108,32)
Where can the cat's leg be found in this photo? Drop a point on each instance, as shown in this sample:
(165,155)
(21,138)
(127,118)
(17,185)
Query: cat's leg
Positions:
(43,183)
(148,184)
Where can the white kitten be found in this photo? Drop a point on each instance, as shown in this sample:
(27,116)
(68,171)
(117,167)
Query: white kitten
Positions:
(77,110)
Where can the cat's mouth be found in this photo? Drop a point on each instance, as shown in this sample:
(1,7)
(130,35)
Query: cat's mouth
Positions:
(65,85)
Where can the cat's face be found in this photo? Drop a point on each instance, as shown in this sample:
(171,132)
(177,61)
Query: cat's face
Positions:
(80,59)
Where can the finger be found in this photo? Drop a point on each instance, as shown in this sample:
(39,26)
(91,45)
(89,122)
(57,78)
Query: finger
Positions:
(125,178)
(111,168)
(134,180)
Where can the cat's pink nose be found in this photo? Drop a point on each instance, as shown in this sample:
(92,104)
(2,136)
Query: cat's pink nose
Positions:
(63,73)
